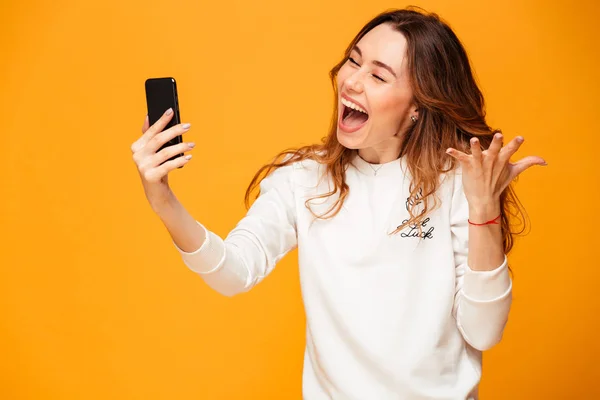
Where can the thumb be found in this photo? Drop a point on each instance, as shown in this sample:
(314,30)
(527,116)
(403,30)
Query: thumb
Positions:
(146,125)
(525,163)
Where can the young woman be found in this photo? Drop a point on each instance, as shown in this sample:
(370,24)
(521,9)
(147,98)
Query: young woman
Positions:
(400,218)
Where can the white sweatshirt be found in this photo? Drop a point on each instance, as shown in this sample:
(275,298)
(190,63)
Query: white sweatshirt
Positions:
(388,316)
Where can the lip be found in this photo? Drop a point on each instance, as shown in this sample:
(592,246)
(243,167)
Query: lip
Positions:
(345,96)
(341,124)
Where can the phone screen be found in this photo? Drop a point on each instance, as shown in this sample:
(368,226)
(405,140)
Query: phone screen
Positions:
(161,94)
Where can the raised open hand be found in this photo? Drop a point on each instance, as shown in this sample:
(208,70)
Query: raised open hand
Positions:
(486,173)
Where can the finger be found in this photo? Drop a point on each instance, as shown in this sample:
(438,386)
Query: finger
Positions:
(525,163)
(496,145)
(163,137)
(139,144)
(511,148)
(157,127)
(476,149)
(171,151)
(156,174)
(459,155)
(146,124)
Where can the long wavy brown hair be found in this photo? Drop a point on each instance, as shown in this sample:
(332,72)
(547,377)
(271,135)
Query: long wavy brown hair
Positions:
(451,112)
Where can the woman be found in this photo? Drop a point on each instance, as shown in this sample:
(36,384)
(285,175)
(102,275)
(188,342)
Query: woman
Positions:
(400,218)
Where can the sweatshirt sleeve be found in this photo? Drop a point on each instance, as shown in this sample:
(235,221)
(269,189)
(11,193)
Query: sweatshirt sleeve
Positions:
(483,298)
(250,251)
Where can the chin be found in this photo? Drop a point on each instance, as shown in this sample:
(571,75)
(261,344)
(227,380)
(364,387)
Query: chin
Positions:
(348,142)
(353,141)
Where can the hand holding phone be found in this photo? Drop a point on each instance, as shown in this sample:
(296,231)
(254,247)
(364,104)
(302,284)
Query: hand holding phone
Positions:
(161,95)
(160,148)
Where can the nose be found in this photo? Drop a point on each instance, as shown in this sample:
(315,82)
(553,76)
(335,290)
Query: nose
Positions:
(354,82)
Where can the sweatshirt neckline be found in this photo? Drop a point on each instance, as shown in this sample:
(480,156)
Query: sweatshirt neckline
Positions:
(377,170)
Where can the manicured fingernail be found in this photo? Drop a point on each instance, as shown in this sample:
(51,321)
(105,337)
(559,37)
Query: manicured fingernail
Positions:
(498,136)
(169,111)
(545,163)
(520,139)
(191,145)
(186,126)
(188,157)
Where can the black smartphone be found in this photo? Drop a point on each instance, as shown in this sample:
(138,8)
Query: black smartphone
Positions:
(161,94)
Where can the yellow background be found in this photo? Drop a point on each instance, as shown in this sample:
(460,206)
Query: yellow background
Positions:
(94,301)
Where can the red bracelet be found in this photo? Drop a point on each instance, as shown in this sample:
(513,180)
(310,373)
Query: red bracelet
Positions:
(490,222)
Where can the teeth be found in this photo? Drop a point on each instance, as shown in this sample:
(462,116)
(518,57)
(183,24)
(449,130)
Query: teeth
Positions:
(353,106)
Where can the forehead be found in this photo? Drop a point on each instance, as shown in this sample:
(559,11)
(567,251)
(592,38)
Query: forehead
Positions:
(385,44)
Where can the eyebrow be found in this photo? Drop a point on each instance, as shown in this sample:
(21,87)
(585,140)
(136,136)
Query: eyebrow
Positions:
(378,63)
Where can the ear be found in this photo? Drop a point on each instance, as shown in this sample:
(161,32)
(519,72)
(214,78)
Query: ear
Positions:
(414,114)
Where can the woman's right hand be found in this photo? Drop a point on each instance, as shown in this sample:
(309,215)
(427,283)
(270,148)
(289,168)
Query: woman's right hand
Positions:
(151,164)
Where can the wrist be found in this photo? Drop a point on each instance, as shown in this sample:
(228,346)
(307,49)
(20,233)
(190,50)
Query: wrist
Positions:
(484,211)
(162,204)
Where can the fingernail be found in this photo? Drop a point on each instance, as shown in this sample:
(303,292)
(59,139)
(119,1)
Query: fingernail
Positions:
(520,139)
(186,126)
(191,144)
(545,163)
(169,111)
(189,156)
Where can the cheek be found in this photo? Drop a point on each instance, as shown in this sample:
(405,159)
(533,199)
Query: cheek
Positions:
(393,108)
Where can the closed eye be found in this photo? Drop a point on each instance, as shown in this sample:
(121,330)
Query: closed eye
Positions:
(353,61)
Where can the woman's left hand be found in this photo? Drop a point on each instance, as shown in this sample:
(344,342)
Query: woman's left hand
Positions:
(487,173)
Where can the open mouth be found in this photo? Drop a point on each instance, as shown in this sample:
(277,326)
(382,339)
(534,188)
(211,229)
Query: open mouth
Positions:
(353,117)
